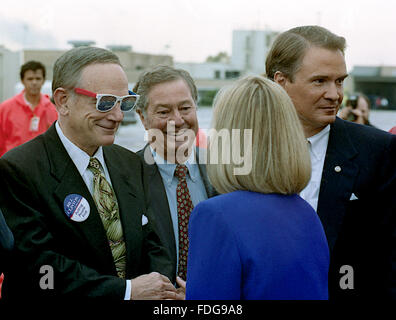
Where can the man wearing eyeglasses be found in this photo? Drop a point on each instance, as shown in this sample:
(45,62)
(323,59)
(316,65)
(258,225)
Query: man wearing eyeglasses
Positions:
(76,202)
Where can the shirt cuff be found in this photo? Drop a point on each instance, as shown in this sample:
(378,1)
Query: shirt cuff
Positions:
(128,290)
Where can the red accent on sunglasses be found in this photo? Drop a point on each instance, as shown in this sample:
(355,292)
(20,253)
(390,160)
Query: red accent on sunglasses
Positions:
(85,92)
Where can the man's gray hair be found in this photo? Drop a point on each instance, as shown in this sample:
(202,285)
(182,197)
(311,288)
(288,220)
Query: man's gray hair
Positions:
(157,75)
(68,67)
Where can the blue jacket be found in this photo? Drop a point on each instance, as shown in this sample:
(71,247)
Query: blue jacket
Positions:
(6,240)
(247,245)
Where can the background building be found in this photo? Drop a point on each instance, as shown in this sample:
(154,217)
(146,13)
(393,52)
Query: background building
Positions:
(250,49)
(378,83)
(10,63)
(209,78)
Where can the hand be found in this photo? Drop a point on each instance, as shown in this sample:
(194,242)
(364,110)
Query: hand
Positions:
(346,111)
(154,286)
(359,116)
(182,286)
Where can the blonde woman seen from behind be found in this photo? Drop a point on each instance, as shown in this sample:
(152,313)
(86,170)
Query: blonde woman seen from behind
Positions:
(259,239)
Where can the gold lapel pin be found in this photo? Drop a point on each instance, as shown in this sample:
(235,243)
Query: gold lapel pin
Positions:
(337,169)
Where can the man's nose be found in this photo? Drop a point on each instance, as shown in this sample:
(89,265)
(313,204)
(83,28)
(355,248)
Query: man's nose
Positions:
(177,118)
(116,114)
(333,92)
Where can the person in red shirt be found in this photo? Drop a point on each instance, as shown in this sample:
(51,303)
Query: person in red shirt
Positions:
(27,114)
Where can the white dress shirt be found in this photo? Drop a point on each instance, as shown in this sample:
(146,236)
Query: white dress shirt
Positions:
(81,160)
(317,149)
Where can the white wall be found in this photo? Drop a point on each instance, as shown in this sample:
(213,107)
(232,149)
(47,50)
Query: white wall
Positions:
(10,63)
(250,48)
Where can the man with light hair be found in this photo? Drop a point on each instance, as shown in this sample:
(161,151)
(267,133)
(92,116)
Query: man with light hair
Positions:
(352,186)
(76,202)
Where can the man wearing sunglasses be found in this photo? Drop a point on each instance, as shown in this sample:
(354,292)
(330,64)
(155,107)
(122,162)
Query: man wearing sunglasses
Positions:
(77,204)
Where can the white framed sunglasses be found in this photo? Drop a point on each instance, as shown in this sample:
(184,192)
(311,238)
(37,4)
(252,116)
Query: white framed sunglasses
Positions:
(106,102)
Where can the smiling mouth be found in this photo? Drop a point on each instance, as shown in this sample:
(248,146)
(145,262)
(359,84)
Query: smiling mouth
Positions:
(180,135)
(329,107)
(112,129)
(176,133)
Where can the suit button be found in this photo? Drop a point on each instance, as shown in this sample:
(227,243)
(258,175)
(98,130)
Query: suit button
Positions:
(337,169)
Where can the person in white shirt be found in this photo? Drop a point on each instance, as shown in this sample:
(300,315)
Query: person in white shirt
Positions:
(352,187)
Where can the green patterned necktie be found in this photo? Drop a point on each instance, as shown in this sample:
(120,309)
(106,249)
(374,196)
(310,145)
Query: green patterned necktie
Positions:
(107,206)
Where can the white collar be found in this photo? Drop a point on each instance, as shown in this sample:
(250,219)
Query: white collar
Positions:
(79,157)
(26,100)
(319,143)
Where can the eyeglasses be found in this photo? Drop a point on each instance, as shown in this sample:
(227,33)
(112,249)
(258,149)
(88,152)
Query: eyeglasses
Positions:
(106,102)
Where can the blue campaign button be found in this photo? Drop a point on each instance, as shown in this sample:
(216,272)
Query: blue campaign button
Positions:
(76,207)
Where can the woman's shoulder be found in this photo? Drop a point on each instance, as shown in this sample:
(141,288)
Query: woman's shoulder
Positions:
(220,203)
(245,197)
(243,200)
(226,199)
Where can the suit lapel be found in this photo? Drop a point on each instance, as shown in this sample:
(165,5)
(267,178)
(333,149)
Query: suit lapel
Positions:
(158,197)
(130,209)
(70,182)
(159,200)
(338,177)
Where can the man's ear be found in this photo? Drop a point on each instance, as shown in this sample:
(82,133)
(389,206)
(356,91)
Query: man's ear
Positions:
(142,118)
(61,97)
(280,78)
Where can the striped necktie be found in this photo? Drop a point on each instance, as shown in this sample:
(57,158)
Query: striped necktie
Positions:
(107,206)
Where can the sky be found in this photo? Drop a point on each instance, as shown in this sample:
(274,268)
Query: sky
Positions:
(191,30)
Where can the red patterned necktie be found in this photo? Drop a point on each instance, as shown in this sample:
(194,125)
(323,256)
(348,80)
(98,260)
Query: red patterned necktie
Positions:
(184,208)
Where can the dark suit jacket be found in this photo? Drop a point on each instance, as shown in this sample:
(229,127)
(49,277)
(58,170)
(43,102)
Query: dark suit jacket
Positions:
(359,232)
(39,176)
(159,207)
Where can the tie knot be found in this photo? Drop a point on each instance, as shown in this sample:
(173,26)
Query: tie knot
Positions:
(181,171)
(94,164)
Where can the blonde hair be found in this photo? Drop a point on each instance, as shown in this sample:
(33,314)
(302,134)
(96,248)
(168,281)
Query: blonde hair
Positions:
(279,151)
